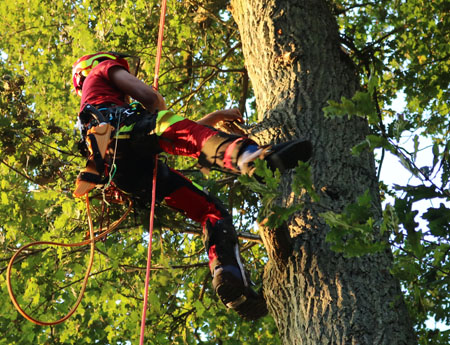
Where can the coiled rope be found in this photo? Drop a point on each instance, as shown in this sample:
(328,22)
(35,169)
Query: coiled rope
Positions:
(91,241)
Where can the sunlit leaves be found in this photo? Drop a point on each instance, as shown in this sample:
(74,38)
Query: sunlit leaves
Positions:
(397,46)
(408,39)
(200,72)
(266,184)
(356,231)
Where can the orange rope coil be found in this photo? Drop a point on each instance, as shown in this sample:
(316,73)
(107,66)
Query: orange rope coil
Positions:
(91,241)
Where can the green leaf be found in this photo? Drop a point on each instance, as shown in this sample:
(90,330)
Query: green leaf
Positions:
(420,192)
(438,220)
(436,155)
(354,232)
(303,179)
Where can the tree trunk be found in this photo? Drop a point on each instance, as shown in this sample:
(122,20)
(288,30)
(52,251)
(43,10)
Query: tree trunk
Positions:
(316,296)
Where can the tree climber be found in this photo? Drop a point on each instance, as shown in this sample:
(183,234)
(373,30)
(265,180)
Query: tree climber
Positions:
(142,130)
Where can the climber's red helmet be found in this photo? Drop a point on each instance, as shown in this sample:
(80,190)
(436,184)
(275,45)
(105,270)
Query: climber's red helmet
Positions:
(86,63)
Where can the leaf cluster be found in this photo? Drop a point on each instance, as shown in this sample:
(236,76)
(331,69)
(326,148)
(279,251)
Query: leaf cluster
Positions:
(399,48)
(266,184)
(202,70)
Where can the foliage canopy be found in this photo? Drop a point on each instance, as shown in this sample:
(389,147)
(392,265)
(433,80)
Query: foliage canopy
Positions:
(398,47)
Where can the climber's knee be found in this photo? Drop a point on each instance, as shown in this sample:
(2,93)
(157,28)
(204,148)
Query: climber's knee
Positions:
(222,151)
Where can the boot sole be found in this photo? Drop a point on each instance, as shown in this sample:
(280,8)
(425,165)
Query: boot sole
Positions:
(228,287)
(253,308)
(248,304)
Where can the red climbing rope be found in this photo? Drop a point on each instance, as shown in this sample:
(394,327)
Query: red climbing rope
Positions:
(155,169)
(162,20)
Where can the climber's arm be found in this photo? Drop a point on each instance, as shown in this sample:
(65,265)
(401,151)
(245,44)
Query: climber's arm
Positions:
(226,115)
(138,90)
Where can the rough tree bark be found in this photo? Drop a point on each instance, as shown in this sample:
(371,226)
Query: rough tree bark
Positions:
(295,64)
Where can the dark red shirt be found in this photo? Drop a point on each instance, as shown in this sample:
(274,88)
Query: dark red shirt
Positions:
(98,88)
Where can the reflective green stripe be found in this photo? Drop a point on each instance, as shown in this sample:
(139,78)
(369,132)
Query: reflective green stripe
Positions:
(125,129)
(197,185)
(122,136)
(124,132)
(166,119)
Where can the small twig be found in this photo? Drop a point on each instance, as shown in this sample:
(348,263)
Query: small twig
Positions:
(34,140)
(23,175)
(338,12)
(418,259)
(382,38)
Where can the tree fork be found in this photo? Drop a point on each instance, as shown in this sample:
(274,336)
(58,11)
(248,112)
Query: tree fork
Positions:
(316,296)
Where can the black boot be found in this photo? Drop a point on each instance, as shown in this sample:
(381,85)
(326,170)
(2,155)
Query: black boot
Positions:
(236,154)
(230,281)
(283,156)
(286,156)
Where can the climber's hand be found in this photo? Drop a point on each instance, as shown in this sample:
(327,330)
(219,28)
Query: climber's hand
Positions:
(226,115)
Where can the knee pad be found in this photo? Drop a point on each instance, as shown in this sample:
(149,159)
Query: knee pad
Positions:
(222,151)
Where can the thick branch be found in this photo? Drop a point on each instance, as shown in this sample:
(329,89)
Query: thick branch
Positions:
(278,243)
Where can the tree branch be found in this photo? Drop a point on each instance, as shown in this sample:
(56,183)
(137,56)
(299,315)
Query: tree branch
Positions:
(382,38)
(25,176)
(244,92)
(278,243)
(338,11)
(207,78)
(241,235)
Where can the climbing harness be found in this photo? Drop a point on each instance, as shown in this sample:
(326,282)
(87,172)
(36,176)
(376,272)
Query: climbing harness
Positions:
(97,139)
